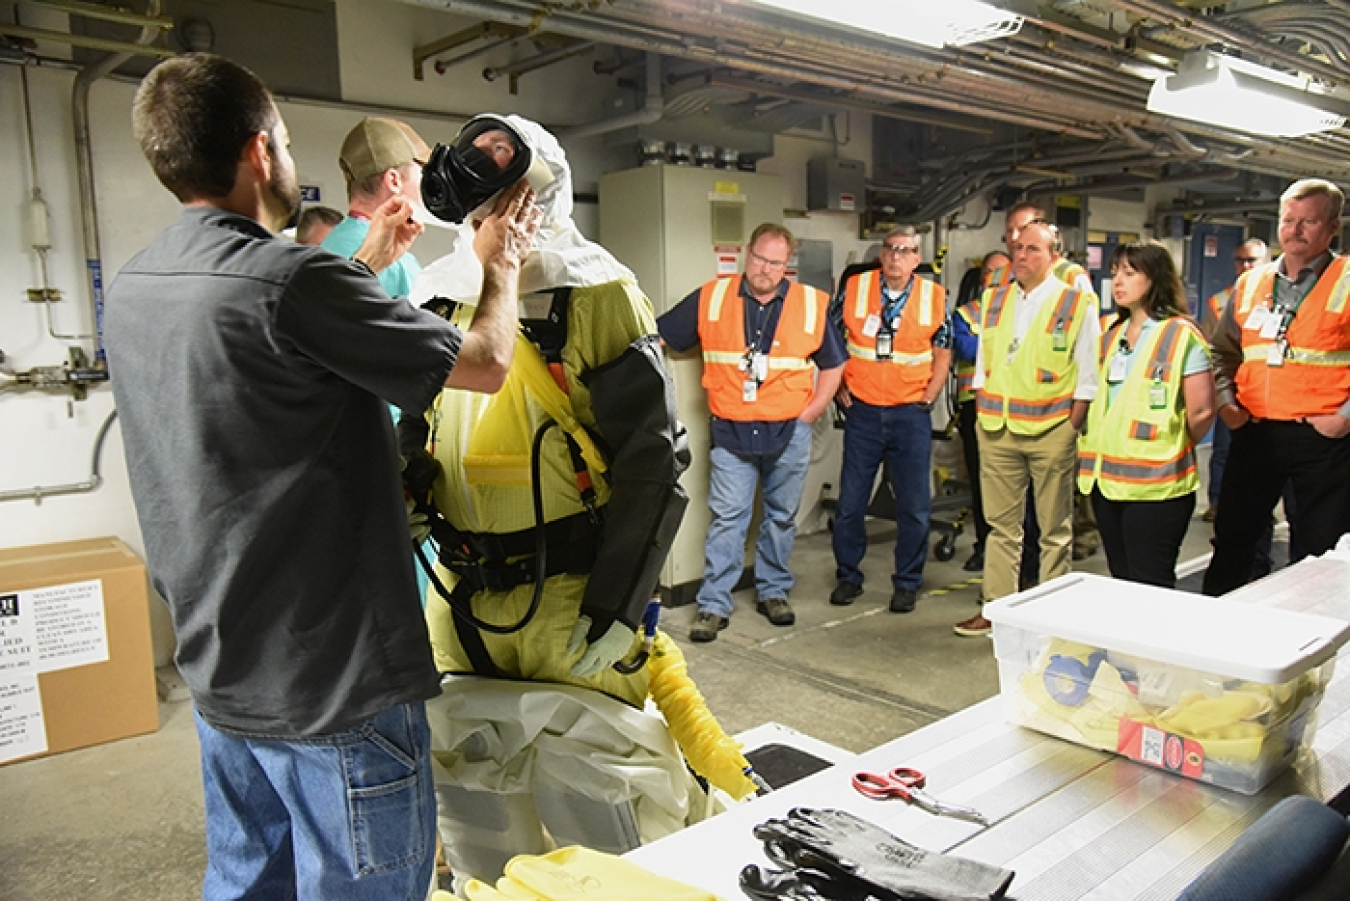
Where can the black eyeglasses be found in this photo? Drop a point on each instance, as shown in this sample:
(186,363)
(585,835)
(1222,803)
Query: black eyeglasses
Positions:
(1247,261)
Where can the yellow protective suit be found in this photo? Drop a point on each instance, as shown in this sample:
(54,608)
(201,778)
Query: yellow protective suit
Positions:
(527,757)
(483,444)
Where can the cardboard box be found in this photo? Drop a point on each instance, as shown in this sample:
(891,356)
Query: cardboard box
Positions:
(76,664)
(1212,689)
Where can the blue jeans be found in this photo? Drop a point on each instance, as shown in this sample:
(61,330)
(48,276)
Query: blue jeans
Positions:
(903,436)
(731,496)
(343,817)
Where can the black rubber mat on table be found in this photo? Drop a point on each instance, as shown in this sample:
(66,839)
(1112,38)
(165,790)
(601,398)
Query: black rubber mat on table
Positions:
(781,765)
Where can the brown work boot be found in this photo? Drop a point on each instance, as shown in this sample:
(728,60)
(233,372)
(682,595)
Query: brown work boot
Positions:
(975,627)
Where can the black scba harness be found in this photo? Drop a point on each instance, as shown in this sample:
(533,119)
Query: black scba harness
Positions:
(495,562)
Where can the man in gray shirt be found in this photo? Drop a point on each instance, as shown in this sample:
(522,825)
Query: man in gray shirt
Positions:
(251,377)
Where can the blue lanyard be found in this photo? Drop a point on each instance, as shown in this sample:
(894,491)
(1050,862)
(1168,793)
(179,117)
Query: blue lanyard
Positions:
(894,305)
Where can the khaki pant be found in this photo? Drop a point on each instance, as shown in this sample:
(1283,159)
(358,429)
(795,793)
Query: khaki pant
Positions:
(1007,462)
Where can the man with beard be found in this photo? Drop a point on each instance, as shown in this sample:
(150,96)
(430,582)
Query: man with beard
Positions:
(252,380)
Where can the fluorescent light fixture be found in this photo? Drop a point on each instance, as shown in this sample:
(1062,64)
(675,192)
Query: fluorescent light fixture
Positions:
(932,23)
(1233,93)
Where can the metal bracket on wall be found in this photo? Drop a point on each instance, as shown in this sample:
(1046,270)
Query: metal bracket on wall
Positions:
(504,34)
(93,11)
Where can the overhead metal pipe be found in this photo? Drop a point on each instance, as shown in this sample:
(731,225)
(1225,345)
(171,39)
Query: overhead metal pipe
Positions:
(866,70)
(653,108)
(1189,22)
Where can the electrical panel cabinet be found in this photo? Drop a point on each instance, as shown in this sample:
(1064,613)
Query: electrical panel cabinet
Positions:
(677,227)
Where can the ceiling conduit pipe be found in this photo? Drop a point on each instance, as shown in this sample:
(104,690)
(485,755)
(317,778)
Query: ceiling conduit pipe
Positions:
(84,160)
(1310,22)
(930,80)
(1332,45)
(1108,185)
(653,108)
(1188,22)
(826,73)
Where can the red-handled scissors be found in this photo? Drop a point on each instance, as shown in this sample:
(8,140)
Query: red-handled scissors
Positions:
(907,784)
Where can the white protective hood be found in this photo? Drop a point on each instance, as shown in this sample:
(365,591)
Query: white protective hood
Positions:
(561,255)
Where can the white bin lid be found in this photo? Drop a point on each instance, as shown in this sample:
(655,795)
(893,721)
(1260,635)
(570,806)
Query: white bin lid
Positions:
(1228,638)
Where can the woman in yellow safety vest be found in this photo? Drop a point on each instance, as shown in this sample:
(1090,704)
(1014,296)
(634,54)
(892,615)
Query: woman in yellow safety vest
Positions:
(1136,459)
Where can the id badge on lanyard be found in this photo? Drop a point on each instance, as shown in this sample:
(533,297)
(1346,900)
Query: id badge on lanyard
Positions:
(756,368)
(1115,370)
(1060,337)
(1157,395)
(884,344)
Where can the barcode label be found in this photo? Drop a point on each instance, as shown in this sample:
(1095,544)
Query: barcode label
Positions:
(1151,746)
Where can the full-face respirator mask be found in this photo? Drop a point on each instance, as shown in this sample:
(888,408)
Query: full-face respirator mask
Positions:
(489,154)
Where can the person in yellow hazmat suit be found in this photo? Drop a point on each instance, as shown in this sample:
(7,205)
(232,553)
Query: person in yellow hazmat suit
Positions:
(559,500)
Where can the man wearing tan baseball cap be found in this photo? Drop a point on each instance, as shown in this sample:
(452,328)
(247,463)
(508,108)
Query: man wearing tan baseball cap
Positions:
(380,159)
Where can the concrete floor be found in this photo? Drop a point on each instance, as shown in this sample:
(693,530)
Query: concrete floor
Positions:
(123,820)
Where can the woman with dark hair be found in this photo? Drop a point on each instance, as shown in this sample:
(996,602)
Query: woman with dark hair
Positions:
(1136,459)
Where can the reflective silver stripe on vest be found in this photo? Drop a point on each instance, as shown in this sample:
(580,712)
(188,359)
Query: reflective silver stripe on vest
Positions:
(925,300)
(870,353)
(996,305)
(1161,364)
(1063,314)
(730,357)
(1340,293)
(813,303)
(719,293)
(1164,471)
(865,281)
(1254,278)
(1018,409)
(1257,353)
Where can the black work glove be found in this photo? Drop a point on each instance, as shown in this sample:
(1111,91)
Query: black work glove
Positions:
(764,884)
(839,843)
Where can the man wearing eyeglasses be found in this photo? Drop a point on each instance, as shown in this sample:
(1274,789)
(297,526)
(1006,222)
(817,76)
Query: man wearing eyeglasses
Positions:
(771,364)
(1282,370)
(899,340)
(380,159)
(1086,540)
(1035,374)
(1250,253)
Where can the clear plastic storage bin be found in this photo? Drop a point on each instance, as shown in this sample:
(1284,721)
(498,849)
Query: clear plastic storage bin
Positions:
(1220,691)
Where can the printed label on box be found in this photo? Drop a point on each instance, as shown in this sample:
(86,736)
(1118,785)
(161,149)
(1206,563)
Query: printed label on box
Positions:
(23,732)
(1165,750)
(71,628)
(47,629)
(18,636)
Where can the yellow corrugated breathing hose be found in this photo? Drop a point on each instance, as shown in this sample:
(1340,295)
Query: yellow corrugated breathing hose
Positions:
(712,753)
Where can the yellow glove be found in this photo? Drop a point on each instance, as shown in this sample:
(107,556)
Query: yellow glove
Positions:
(581,874)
